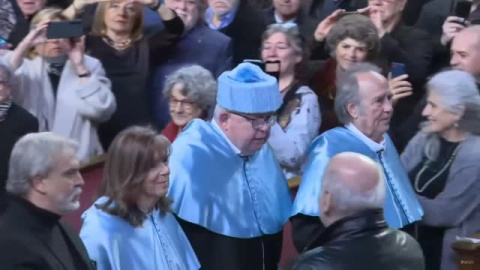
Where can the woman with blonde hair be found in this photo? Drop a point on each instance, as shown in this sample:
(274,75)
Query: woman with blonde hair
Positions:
(130,225)
(116,39)
(66,90)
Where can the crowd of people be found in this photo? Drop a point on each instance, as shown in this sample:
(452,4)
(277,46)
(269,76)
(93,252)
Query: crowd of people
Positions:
(206,110)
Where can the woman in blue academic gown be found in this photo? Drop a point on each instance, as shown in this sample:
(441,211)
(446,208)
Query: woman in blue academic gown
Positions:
(130,225)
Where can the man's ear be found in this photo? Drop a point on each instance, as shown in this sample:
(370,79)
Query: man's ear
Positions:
(326,203)
(39,184)
(223,120)
(352,109)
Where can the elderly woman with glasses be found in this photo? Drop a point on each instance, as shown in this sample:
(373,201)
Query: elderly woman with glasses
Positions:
(191,93)
(442,162)
(299,116)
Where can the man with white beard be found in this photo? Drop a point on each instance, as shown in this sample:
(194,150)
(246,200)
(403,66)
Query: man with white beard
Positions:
(44,184)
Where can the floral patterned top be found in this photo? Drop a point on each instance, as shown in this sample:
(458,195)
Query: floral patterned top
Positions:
(298,124)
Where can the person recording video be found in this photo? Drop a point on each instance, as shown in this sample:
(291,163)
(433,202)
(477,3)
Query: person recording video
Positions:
(64,88)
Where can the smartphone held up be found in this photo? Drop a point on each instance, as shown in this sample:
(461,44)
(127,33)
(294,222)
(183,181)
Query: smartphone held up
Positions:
(65,29)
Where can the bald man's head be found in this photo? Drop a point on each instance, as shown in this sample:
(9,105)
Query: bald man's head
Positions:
(351,184)
(465,51)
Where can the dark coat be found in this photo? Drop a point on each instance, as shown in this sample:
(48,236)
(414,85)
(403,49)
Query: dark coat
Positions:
(26,241)
(246,31)
(362,241)
(19,122)
(306,25)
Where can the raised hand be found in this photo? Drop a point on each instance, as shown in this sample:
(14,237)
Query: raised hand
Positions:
(399,87)
(76,52)
(36,35)
(79,5)
(451,27)
(148,3)
(326,25)
(376,18)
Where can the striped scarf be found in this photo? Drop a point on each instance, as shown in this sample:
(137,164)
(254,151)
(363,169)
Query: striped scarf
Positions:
(4,107)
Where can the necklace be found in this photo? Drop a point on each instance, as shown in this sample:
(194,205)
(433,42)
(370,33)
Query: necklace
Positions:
(117,45)
(425,166)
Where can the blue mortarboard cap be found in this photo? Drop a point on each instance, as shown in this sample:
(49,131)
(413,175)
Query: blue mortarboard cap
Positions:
(247,89)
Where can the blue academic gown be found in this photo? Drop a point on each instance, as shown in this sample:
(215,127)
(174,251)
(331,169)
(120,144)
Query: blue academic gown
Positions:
(231,208)
(401,206)
(215,188)
(113,243)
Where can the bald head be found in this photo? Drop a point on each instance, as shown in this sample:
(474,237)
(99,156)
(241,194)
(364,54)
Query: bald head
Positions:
(351,184)
(465,51)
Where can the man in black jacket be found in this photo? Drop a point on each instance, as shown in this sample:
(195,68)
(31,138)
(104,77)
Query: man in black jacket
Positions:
(356,234)
(241,22)
(45,184)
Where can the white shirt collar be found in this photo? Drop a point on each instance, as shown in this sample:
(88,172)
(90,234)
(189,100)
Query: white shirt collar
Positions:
(279,20)
(217,127)
(374,146)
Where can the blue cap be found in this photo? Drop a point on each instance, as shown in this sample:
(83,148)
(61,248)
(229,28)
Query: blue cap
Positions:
(247,89)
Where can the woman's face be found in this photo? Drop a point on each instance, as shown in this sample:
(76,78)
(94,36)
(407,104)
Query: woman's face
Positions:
(156,183)
(349,52)
(52,48)
(277,47)
(120,16)
(439,119)
(182,109)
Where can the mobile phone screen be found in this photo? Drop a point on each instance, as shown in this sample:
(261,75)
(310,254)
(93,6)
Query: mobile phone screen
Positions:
(397,69)
(463,8)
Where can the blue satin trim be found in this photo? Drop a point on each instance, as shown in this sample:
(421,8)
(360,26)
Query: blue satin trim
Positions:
(401,205)
(213,187)
(159,243)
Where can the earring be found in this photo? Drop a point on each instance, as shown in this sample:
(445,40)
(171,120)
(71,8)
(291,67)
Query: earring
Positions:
(455,125)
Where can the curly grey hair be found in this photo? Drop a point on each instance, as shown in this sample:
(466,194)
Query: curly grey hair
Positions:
(34,156)
(458,94)
(348,90)
(198,85)
(358,28)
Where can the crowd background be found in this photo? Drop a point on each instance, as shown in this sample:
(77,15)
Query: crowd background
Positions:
(145,62)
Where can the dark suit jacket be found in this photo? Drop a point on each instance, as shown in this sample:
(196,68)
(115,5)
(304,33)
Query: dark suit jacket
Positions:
(23,245)
(19,122)
(246,31)
(415,49)
(200,46)
(306,25)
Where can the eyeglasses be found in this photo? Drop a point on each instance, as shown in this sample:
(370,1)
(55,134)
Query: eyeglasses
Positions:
(187,105)
(258,123)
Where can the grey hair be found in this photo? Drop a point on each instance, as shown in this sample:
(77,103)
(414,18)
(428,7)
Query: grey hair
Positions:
(293,37)
(199,86)
(34,156)
(458,94)
(348,201)
(358,28)
(348,89)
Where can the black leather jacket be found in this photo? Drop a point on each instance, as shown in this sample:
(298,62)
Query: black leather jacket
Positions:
(362,242)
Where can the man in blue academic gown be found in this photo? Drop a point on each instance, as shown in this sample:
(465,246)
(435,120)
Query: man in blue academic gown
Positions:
(228,190)
(363,105)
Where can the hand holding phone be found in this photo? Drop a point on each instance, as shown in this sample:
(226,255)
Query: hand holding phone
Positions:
(397,69)
(272,68)
(463,8)
(65,29)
